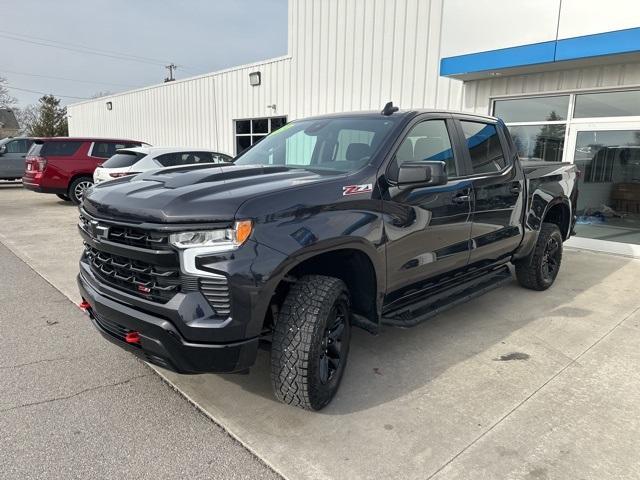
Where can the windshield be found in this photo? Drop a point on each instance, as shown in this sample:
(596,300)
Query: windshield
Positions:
(331,144)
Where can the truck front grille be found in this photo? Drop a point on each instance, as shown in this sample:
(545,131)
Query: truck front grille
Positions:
(216,291)
(149,281)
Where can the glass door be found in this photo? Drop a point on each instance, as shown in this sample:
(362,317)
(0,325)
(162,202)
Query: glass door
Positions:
(608,157)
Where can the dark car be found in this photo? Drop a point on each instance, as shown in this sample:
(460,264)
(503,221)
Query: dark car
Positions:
(13,153)
(65,165)
(328,223)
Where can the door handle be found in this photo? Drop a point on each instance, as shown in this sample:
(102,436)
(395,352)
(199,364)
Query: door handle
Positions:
(461,198)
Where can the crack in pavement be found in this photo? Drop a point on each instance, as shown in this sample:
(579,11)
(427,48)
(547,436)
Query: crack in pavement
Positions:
(526,399)
(66,397)
(45,360)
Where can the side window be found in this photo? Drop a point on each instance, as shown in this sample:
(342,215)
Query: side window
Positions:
(484,146)
(195,157)
(18,146)
(60,148)
(108,149)
(169,159)
(220,158)
(428,141)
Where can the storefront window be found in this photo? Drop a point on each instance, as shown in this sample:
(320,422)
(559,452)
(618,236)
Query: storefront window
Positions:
(609,185)
(538,109)
(539,142)
(607,104)
(253,130)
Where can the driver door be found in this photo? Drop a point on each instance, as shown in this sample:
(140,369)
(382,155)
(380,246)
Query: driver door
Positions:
(428,229)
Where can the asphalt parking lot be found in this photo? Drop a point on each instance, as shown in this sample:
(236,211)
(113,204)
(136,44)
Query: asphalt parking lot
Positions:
(516,384)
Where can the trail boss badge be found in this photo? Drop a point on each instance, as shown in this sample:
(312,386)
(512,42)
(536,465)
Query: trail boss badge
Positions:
(355,189)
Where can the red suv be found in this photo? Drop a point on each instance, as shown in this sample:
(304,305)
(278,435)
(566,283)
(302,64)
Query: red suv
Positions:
(65,165)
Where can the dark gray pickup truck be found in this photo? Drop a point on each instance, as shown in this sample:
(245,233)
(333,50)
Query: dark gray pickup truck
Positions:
(329,223)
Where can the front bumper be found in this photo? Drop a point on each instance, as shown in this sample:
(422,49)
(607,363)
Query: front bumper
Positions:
(160,341)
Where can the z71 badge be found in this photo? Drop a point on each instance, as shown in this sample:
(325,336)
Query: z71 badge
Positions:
(355,189)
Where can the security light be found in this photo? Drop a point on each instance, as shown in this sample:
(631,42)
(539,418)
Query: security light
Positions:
(254,79)
(109,106)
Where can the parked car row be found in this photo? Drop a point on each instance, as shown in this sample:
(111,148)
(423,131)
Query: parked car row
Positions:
(68,166)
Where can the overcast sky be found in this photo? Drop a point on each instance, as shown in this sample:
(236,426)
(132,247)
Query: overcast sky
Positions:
(199,36)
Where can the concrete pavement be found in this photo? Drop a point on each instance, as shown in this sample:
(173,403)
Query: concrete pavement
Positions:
(516,384)
(74,406)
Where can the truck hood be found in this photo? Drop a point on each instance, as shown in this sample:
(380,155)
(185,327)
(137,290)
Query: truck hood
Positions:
(191,194)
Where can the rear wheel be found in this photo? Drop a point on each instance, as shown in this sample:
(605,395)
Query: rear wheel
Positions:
(64,197)
(78,188)
(311,342)
(540,268)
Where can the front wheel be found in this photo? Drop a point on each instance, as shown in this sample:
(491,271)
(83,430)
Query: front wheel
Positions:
(311,342)
(540,268)
(78,188)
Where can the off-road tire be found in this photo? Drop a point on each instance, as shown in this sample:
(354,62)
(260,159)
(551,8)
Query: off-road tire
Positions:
(73,189)
(531,271)
(299,340)
(63,196)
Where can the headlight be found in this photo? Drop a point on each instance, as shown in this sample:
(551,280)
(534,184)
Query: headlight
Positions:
(230,237)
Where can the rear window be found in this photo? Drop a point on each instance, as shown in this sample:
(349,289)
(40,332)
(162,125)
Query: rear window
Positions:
(60,148)
(123,159)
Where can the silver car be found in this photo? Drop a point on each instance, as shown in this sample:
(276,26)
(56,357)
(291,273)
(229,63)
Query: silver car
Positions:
(12,157)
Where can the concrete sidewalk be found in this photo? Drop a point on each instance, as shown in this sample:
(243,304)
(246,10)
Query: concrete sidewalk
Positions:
(516,384)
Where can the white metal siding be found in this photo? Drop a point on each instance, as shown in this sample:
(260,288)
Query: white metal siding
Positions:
(478,93)
(344,55)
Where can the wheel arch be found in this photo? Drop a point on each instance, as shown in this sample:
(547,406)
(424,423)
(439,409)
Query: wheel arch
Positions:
(356,263)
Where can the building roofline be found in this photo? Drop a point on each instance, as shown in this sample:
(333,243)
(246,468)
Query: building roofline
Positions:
(184,80)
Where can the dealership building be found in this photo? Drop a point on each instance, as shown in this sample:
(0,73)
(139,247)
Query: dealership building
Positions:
(563,74)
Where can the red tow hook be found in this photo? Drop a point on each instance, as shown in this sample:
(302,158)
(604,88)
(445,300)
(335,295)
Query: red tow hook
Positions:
(132,337)
(84,305)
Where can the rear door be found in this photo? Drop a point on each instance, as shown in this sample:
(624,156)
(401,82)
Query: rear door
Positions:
(498,190)
(427,228)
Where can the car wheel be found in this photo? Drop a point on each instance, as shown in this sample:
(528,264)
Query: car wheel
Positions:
(540,268)
(311,342)
(78,187)
(64,197)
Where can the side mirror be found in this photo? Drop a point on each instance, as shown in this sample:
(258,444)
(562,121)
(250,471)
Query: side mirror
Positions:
(422,174)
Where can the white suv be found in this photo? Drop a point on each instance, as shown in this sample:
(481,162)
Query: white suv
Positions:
(130,161)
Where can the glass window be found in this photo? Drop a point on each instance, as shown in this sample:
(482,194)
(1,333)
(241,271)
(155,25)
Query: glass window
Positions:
(242,143)
(251,131)
(260,125)
(313,144)
(60,148)
(277,122)
(538,109)
(607,104)
(539,142)
(108,149)
(484,147)
(169,159)
(123,159)
(243,126)
(428,141)
(221,158)
(18,146)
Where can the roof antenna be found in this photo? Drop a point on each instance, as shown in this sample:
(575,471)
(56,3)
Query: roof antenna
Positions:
(389,109)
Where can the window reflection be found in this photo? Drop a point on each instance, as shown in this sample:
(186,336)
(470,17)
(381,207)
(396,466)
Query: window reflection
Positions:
(539,142)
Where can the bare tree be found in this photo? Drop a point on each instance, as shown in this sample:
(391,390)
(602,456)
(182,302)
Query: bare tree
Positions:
(27,117)
(6,99)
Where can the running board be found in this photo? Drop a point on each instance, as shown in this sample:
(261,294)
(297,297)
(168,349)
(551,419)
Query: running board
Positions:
(421,310)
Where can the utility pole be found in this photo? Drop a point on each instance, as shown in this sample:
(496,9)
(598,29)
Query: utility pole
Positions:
(171,67)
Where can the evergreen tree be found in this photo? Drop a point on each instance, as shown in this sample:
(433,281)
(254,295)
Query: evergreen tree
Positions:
(51,119)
